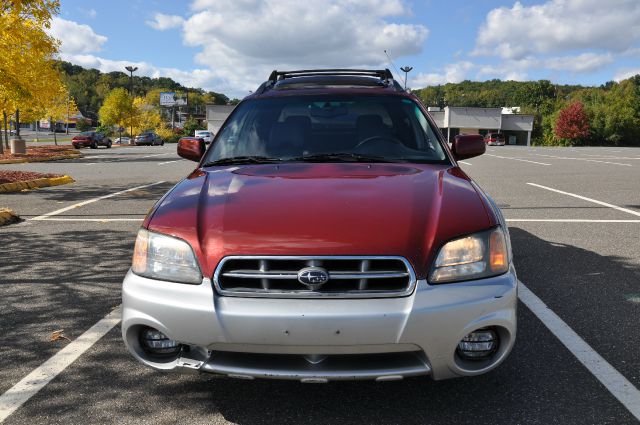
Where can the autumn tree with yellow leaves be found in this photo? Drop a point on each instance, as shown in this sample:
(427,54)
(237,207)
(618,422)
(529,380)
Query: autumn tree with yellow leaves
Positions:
(117,109)
(29,78)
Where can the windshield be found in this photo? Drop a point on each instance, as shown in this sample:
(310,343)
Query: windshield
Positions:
(331,128)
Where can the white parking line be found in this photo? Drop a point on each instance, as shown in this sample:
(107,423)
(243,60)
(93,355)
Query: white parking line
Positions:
(584,159)
(28,386)
(465,163)
(123,159)
(100,220)
(614,381)
(517,159)
(90,201)
(566,220)
(584,198)
(177,160)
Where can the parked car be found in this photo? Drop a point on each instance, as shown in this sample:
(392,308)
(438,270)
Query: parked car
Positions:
(122,140)
(494,139)
(148,138)
(207,136)
(90,139)
(328,234)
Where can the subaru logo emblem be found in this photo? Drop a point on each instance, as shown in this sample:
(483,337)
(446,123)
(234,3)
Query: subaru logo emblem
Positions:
(313,277)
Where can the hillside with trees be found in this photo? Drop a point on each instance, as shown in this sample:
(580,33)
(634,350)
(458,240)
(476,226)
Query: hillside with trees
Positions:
(605,115)
(90,87)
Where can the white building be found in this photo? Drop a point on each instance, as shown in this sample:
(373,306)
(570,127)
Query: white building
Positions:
(454,120)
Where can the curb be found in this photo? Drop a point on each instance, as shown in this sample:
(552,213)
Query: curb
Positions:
(51,158)
(7,216)
(34,184)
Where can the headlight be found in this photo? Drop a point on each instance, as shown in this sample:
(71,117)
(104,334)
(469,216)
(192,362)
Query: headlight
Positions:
(164,257)
(475,256)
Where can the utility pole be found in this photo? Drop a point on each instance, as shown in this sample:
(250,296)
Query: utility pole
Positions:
(406,70)
(67,123)
(131,69)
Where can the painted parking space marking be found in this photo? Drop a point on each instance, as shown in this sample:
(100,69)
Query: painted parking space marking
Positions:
(518,159)
(565,220)
(123,159)
(613,381)
(584,159)
(465,163)
(584,198)
(28,386)
(169,162)
(98,220)
(90,201)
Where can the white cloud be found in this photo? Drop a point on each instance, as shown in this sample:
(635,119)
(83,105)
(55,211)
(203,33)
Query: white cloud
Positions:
(452,73)
(560,25)
(243,40)
(163,22)
(239,42)
(585,62)
(75,38)
(623,74)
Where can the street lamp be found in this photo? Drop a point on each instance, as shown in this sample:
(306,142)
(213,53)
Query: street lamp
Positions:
(131,70)
(406,70)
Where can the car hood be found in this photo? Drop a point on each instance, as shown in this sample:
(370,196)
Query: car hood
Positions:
(321,209)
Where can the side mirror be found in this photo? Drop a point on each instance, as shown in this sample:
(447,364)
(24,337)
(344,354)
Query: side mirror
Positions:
(191,148)
(468,145)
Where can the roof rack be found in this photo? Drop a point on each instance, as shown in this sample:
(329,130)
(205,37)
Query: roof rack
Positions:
(384,75)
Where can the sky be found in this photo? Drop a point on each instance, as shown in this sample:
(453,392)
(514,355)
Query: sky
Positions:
(231,46)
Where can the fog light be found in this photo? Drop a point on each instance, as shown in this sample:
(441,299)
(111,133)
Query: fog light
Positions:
(478,345)
(155,342)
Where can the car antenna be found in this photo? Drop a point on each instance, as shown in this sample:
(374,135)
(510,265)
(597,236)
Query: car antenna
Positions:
(391,62)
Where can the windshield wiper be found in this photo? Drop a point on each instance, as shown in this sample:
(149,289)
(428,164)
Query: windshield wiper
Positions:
(343,156)
(242,160)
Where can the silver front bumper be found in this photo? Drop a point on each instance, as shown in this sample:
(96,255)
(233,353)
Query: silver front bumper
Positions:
(381,339)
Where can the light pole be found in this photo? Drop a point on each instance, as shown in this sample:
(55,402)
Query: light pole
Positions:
(406,70)
(131,70)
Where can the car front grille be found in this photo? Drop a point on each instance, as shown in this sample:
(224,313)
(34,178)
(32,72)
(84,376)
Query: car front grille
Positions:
(346,277)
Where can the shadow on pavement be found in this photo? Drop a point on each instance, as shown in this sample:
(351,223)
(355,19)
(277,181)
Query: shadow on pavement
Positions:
(99,161)
(540,383)
(66,279)
(588,291)
(79,193)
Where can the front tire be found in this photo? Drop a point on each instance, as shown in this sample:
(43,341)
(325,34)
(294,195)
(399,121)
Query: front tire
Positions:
(94,145)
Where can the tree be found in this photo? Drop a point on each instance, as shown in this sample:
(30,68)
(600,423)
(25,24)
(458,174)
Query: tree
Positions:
(572,124)
(27,50)
(117,109)
(190,126)
(83,124)
(145,116)
(59,109)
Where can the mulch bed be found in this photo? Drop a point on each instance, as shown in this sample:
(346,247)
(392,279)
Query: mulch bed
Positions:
(40,152)
(7,176)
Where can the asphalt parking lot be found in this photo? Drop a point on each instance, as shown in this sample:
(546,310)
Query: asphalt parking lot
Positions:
(574,217)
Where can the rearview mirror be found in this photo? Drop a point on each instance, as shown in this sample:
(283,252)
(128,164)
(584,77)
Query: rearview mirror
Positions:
(467,146)
(191,148)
